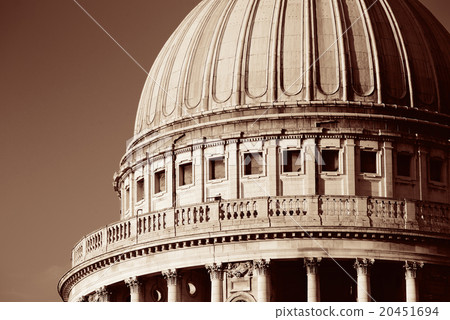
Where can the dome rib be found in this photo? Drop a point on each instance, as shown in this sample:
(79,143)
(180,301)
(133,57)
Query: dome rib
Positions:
(245,52)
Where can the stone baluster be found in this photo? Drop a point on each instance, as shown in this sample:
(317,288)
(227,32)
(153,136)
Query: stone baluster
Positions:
(412,290)
(173,292)
(362,267)
(216,274)
(261,268)
(136,294)
(312,273)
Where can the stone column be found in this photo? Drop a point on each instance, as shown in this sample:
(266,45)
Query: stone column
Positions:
(312,273)
(350,162)
(103,295)
(388,170)
(261,268)
(135,289)
(362,267)
(173,293)
(216,275)
(412,291)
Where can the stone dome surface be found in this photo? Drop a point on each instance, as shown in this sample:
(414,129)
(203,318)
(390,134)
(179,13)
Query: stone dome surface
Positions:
(229,53)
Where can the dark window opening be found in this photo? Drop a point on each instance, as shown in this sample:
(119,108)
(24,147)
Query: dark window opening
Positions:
(253,163)
(160,181)
(404,164)
(292,161)
(185,174)
(140,190)
(217,168)
(330,160)
(436,169)
(368,161)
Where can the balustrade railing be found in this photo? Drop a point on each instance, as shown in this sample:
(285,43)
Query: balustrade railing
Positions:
(266,212)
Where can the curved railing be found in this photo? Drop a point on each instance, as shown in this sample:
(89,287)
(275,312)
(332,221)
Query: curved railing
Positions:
(225,215)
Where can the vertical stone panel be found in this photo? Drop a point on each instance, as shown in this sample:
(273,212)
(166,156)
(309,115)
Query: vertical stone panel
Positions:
(326,47)
(258,49)
(292,47)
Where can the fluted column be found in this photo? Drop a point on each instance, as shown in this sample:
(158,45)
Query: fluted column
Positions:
(135,289)
(173,294)
(312,273)
(261,268)
(216,275)
(103,294)
(362,267)
(412,291)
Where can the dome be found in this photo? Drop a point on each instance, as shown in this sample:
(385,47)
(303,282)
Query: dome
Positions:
(229,53)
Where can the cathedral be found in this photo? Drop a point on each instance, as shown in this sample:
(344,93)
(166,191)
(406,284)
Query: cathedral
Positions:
(284,150)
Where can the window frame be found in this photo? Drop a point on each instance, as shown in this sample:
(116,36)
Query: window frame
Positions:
(208,168)
(340,170)
(243,165)
(155,174)
(180,169)
(283,160)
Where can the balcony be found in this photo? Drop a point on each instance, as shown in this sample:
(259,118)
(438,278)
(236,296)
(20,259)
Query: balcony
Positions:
(230,217)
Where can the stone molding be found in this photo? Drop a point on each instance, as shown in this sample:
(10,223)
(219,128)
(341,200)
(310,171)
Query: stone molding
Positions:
(240,269)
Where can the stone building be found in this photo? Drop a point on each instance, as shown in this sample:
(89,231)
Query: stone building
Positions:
(284,150)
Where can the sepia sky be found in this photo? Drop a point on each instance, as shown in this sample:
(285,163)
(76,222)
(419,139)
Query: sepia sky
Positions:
(68,99)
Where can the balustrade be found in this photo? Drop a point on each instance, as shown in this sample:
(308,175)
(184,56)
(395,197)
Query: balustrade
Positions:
(266,212)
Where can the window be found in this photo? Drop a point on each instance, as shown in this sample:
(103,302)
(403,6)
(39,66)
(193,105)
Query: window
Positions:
(330,160)
(217,168)
(292,161)
(436,169)
(404,164)
(140,190)
(160,181)
(185,174)
(127,198)
(368,161)
(253,163)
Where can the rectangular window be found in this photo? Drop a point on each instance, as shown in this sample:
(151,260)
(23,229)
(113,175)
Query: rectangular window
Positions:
(436,169)
(217,168)
(140,190)
(185,174)
(330,160)
(368,161)
(253,163)
(292,161)
(404,164)
(160,181)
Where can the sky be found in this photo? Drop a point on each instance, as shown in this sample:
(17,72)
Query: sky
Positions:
(68,100)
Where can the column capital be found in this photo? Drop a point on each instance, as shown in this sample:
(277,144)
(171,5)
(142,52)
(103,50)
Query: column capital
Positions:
(411,268)
(133,283)
(171,276)
(312,265)
(215,271)
(102,294)
(363,265)
(261,266)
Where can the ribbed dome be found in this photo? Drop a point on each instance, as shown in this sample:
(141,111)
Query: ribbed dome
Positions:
(247,52)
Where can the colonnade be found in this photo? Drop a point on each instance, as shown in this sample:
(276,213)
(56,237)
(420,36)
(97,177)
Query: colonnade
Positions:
(261,271)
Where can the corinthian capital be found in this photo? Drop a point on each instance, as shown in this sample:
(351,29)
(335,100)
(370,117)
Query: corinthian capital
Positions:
(362,266)
(215,271)
(411,268)
(171,276)
(261,266)
(312,265)
(133,283)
